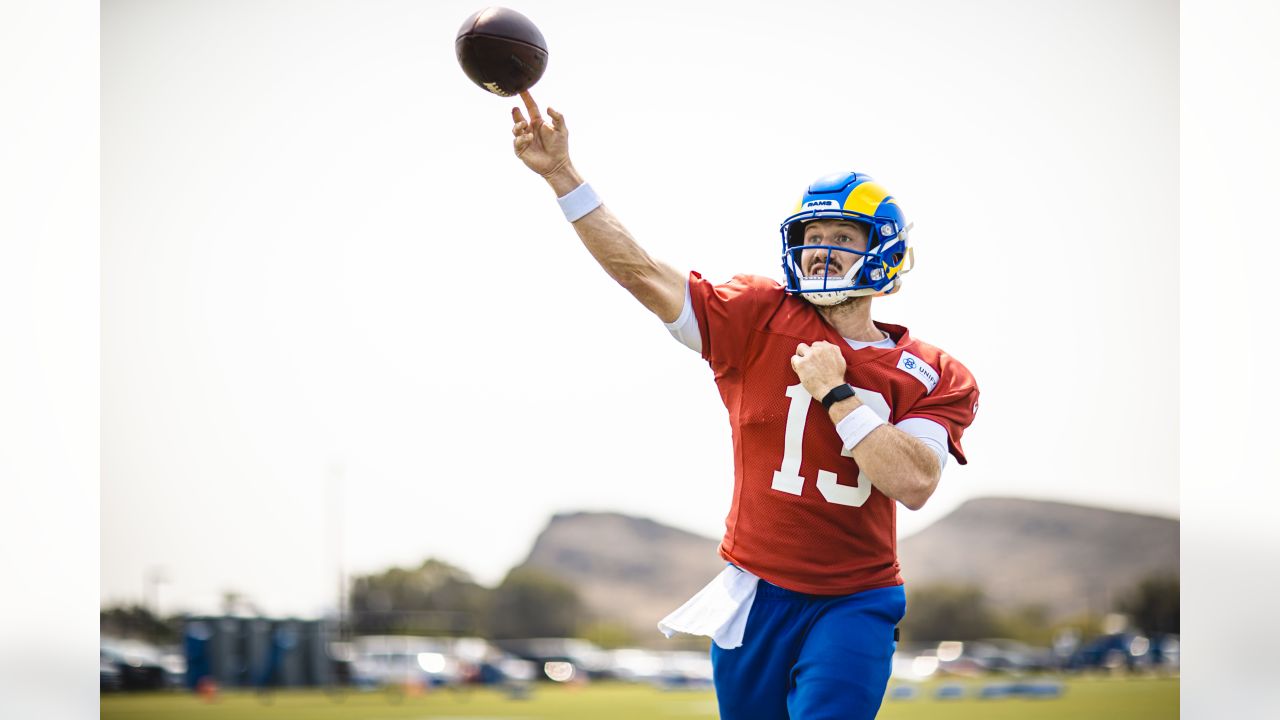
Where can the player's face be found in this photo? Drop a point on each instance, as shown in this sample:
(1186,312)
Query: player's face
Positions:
(837,233)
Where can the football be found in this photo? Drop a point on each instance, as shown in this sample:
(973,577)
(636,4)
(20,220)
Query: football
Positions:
(501,51)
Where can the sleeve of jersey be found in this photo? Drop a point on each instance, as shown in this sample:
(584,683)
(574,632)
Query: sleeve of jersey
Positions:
(727,314)
(952,404)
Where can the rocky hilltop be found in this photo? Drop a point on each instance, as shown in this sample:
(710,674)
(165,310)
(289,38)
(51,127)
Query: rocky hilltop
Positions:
(1069,558)
(632,570)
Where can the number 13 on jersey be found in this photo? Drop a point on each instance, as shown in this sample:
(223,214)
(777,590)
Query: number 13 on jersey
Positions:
(789,480)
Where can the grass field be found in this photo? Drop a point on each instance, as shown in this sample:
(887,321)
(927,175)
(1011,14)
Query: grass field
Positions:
(1114,699)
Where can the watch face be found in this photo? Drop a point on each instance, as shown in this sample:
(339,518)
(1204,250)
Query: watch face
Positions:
(838,393)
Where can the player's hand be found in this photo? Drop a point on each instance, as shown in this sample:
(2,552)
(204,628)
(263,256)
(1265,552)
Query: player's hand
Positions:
(542,146)
(820,367)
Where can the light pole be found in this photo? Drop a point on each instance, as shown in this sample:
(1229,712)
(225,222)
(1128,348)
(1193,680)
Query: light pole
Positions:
(152,580)
(334,488)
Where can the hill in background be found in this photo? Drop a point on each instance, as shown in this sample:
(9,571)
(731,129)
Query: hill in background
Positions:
(626,569)
(1071,559)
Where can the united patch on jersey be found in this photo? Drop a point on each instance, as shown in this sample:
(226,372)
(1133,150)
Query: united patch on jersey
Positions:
(919,369)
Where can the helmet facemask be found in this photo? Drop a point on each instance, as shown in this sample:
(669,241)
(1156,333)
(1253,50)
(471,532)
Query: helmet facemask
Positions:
(875,271)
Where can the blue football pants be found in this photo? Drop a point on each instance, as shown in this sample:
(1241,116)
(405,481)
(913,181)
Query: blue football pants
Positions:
(810,657)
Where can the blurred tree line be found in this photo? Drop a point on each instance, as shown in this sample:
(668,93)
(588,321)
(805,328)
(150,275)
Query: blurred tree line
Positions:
(137,622)
(963,612)
(437,598)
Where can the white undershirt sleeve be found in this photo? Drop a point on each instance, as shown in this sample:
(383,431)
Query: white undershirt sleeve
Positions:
(685,328)
(933,435)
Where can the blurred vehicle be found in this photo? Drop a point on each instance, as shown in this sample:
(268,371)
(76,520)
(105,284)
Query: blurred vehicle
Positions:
(915,661)
(500,668)
(136,665)
(109,675)
(668,669)
(560,659)
(403,661)
(1165,652)
(175,668)
(633,665)
(689,669)
(920,661)
(1126,651)
(342,656)
(1000,655)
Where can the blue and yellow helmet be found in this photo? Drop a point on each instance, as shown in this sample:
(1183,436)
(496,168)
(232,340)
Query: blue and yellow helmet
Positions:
(852,197)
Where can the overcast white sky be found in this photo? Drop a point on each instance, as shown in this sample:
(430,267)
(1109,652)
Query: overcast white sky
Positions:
(341,320)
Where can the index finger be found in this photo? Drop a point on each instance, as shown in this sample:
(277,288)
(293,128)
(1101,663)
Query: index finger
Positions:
(534,115)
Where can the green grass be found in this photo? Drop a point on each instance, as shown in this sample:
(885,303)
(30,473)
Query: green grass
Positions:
(1115,699)
(1111,698)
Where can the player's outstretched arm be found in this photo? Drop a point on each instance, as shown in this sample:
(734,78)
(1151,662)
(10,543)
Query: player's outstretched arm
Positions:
(544,148)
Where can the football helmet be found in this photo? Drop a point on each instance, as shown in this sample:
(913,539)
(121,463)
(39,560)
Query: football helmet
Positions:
(852,197)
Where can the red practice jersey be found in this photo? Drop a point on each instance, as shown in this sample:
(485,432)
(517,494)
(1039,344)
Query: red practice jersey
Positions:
(802,517)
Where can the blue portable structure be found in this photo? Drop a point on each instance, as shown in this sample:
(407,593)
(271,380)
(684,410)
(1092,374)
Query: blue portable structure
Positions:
(258,652)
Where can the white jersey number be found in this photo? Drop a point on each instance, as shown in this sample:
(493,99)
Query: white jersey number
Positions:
(788,478)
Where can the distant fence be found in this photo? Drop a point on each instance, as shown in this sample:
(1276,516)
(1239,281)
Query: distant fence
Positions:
(258,652)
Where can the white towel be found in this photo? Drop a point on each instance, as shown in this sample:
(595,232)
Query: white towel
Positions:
(718,611)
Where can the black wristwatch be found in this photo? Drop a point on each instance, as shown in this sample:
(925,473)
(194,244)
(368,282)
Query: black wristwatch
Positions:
(838,393)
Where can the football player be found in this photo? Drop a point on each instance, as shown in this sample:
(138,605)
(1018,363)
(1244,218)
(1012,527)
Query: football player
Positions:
(835,418)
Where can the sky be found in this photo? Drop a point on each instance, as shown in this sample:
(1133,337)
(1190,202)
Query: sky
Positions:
(343,326)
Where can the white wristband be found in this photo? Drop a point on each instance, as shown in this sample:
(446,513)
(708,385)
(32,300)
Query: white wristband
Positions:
(580,201)
(856,425)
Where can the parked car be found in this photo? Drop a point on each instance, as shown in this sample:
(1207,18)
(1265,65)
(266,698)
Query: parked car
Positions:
(686,669)
(109,675)
(1125,651)
(138,666)
(400,661)
(1008,656)
(560,659)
